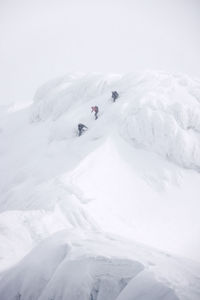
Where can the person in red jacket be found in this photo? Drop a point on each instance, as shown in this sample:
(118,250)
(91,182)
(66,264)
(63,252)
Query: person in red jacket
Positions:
(96,110)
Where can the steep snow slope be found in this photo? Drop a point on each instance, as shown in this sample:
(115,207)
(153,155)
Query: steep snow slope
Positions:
(137,194)
(133,173)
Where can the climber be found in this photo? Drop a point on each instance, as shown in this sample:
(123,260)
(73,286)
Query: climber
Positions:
(81,129)
(96,110)
(115,95)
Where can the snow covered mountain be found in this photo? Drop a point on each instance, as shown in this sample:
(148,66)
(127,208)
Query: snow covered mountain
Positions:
(78,212)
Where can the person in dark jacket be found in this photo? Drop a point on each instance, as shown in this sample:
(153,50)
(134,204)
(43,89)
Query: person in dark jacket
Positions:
(115,95)
(96,110)
(81,128)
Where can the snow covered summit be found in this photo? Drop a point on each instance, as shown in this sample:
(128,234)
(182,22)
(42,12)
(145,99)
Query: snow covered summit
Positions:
(133,176)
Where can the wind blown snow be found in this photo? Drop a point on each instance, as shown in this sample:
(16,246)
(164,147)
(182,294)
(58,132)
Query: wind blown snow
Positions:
(77,213)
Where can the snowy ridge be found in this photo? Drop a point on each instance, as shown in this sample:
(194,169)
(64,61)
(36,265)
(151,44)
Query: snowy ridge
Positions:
(161,111)
(133,174)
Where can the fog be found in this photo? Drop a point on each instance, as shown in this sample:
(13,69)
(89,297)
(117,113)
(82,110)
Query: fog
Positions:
(40,40)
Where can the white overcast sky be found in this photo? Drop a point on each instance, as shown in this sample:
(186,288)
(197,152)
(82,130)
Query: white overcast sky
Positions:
(42,39)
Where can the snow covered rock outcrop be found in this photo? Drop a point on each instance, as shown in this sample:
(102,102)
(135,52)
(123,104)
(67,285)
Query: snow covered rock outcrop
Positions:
(65,199)
(76,266)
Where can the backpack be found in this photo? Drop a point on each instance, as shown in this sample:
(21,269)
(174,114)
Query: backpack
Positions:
(95,109)
(115,95)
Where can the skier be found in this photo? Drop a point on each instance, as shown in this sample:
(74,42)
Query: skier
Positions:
(96,110)
(81,128)
(115,95)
